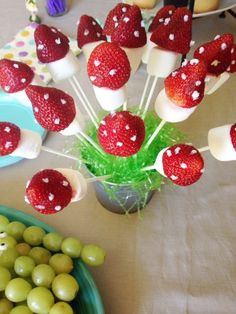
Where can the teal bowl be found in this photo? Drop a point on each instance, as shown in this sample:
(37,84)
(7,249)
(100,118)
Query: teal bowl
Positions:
(88,300)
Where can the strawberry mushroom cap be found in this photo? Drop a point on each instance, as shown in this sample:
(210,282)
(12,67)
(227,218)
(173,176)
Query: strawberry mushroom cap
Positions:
(89,34)
(121,134)
(9,138)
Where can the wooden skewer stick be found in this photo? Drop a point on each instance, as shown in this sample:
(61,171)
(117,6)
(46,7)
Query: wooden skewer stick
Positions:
(203,149)
(90,141)
(55,152)
(159,127)
(125,105)
(100,178)
(144,93)
(149,97)
(85,97)
(83,103)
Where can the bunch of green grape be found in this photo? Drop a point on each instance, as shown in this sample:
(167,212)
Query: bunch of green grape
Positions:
(35,269)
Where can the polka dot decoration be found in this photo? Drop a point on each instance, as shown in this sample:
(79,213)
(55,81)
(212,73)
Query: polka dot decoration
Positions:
(22,48)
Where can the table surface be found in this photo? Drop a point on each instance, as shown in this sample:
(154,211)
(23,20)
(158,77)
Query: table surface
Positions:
(181,256)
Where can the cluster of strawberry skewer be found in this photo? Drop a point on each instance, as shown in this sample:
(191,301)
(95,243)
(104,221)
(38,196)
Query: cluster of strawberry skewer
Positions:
(113,54)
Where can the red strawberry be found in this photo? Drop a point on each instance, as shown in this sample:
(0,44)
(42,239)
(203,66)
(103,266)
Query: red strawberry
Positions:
(88,31)
(216,54)
(121,134)
(185,86)
(183,164)
(108,66)
(233,135)
(48,191)
(14,75)
(176,32)
(51,45)
(113,18)
(232,67)
(53,108)
(164,13)
(9,138)
(130,31)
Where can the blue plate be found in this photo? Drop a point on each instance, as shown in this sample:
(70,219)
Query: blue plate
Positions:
(12,110)
(88,300)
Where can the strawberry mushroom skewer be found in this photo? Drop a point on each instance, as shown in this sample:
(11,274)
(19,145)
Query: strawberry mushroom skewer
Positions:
(109,70)
(18,142)
(51,190)
(217,57)
(173,38)
(183,91)
(53,49)
(56,111)
(15,76)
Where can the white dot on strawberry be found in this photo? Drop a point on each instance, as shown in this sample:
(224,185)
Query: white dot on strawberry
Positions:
(170,12)
(186,18)
(142,24)
(7,129)
(26,199)
(215,63)
(16,65)
(58,208)
(112,72)
(124,9)
(57,121)
(105,132)
(103,122)
(36,109)
(202,170)
(98,35)
(8,145)
(126,19)
(86,32)
(94,23)
(116,24)
(51,197)
(161,20)
(195,95)
(115,18)
(174,73)
(65,183)
(183,165)
(169,153)
(223,46)
(217,37)
(114,131)
(119,144)
(136,33)
(63,101)
(40,47)
(171,37)
(58,41)
(133,138)
(201,50)
(53,30)
(177,150)
(7,88)
(167,21)
(194,61)
(173,177)
(46,96)
(97,63)
(183,76)
(23,80)
(45,180)
(92,78)
(198,83)
(39,206)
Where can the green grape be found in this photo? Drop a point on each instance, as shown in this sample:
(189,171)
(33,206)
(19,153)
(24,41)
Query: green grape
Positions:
(24,266)
(71,247)
(5,277)
(5,306)
(17,290)
(40,300)
(7,242)
(23,248)
(52,241)
(3,223)
(65,287)
(93,255)
(61,263)
(40,255)
(8,257)
(33,235)
(61,308)
(43,275)
(16,230)
(21,309)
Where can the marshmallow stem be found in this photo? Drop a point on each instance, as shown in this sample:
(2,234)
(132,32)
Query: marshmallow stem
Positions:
(55,152)
(203,149)
(85,97)
(159,127)
(83,103)
(144,93)
(150,96)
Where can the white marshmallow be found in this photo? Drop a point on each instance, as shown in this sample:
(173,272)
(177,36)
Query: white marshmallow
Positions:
(161,62)
(147,49)
(76,126)
(215,82)
(169,111)
(159,163)
(220,143)
(88,48)
(64,68)
(21,95)
(77,182)
(135,56)
(29,145)
(109,99)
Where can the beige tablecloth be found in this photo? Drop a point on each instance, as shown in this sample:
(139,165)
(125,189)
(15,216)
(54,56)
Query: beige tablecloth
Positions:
(181,257)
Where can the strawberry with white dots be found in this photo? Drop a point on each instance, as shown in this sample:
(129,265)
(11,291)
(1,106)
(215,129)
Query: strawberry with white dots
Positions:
(184,90)
(164,13)
(51,190)
(54,109)
(181,163)
(121,134)
(89,34)
(53,49)
(172,37)
(217,56)
(15,76)
(130,35)
(222,142)
(109,70)
(15,141)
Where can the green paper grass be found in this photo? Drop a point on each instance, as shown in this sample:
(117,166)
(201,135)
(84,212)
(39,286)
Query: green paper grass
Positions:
(127,170)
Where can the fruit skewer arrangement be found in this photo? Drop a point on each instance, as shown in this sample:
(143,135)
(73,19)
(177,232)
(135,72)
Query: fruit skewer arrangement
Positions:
(123,145)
